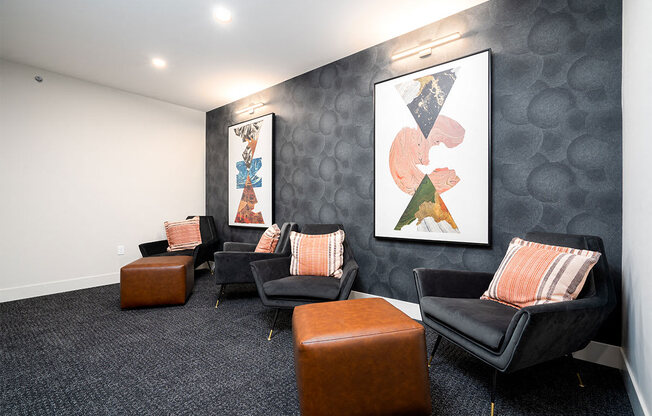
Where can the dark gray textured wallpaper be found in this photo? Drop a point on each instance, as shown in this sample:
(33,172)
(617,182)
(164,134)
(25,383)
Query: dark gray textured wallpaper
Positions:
(556,137)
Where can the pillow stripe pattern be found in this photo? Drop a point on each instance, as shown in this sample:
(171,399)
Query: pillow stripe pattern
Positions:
(317,255)
(534,274)
(183,235)
(269,240)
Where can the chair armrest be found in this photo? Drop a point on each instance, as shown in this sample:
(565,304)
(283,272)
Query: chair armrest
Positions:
(349,274)
(562,308)
(272,269)
(235,246)
(451,283)
(204,252)
(154,247)
(556,329)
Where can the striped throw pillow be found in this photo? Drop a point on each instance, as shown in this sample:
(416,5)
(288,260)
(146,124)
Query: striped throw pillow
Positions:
(183,235)
(317,255)
(269,240)
(534,274)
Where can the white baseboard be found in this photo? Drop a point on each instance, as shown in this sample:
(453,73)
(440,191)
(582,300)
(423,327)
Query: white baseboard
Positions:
(595,352)
(49,288)
(600,353)
(636,398)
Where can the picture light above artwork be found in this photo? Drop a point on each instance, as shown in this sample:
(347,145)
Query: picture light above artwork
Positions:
(250,109)
(426,49)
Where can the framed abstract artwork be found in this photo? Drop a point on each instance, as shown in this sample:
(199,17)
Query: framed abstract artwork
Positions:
(432,153)
(251,172)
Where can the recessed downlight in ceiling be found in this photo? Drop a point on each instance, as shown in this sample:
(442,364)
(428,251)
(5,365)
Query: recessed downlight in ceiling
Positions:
(159,63)
(222,14)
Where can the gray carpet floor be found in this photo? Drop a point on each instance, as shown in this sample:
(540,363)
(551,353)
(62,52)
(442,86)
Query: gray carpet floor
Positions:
(78,353)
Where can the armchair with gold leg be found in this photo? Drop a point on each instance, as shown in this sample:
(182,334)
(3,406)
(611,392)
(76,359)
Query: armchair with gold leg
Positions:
(203,253)
(278,289)
(232,263)
(510,339)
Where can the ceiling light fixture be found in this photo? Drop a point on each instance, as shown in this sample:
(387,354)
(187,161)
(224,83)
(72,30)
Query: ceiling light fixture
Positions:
(222,15)
(249,109)
(425,50)
(159,63)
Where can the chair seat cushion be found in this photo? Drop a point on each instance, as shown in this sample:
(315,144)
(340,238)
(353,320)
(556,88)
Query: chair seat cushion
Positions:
(482,320)
(317,287)
(187,252)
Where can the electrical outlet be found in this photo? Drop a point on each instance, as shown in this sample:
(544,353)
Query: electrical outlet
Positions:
(121,250)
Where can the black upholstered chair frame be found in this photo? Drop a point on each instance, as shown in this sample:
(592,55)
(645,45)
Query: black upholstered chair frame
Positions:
(265,271)
(232,263)
(203,253)
(536,333)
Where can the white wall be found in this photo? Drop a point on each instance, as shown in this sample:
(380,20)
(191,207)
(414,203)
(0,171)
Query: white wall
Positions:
(84,168)
(637,201)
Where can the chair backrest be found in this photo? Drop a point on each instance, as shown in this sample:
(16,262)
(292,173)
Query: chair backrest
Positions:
(599,282)
(207,227)
(327,229)
(283,245)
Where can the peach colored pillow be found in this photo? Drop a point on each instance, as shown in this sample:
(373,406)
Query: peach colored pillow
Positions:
(317,255)
(183,235)
(269,240)
(534,274)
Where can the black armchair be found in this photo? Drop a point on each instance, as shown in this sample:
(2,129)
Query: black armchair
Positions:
(510,339)
(277,289)
(232,263)
(201,254)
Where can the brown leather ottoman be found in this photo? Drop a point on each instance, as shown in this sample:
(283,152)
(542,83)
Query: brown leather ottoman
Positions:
(359,357)
(152,281)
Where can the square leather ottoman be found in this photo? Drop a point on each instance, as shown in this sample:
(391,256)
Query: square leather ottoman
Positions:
(153,281)
(359,357)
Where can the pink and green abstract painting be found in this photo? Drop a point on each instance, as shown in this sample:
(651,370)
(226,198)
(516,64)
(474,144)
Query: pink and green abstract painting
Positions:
(424,97)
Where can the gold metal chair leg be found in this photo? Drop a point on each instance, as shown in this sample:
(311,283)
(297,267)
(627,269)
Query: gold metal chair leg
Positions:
(576,368)
(432,354)
(269,337)
(219,295)
(494,374)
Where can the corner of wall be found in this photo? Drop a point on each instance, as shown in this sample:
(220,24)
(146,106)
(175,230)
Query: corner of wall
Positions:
(636,398)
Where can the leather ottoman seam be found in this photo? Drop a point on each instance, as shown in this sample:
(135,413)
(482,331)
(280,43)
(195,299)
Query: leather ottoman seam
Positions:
(375,334)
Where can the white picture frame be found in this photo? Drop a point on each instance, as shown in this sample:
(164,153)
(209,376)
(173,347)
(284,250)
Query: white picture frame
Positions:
(432,153)
(251,172)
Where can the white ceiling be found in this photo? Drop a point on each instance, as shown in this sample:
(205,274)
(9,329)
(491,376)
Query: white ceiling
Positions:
(112,42)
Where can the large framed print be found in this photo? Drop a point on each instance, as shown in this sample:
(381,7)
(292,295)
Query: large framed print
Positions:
(432,151)
(251,172)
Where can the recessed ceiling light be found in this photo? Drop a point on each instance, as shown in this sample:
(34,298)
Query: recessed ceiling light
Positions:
(222,15)
(159,63)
